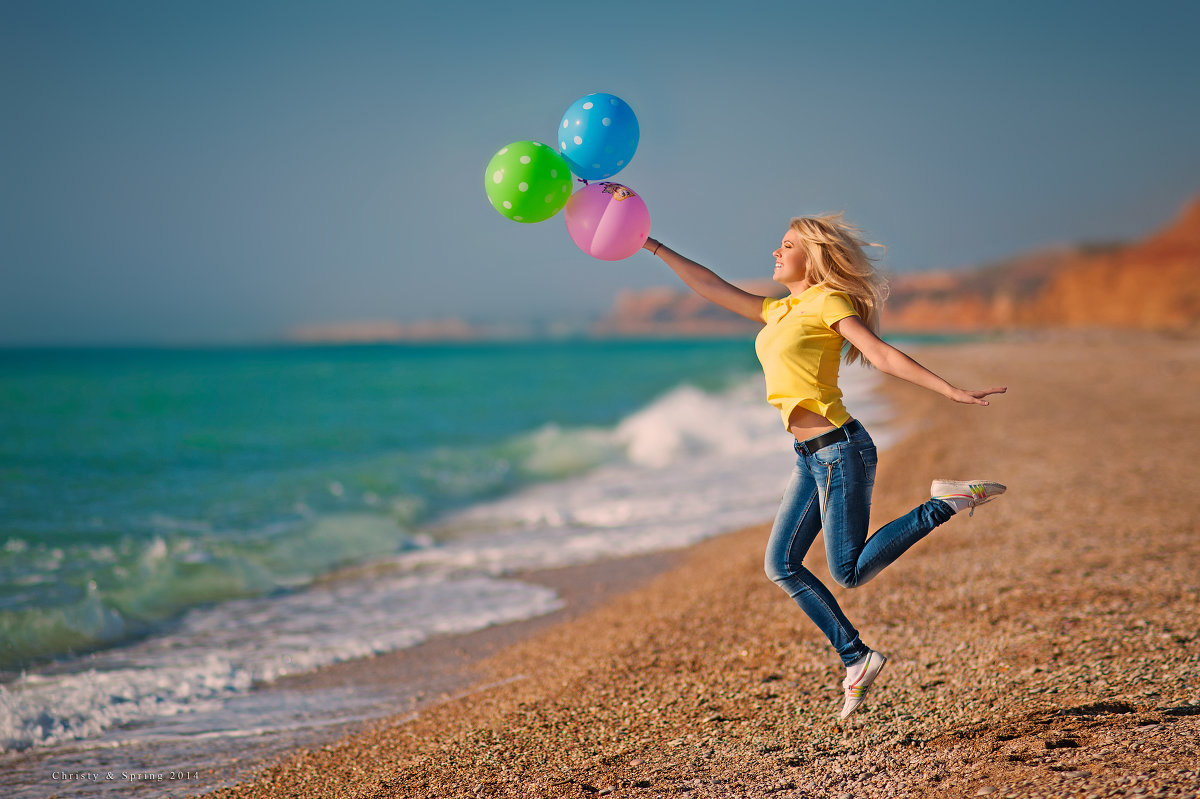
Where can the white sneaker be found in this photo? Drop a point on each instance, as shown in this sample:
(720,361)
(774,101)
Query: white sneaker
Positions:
(859,677)
(963,494)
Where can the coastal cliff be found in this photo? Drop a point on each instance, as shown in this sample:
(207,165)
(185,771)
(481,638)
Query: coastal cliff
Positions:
(1152,284)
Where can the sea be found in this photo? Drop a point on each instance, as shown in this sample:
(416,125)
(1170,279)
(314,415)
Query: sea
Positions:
(182,529)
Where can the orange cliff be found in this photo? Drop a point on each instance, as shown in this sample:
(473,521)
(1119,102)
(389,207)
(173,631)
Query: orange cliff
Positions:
(1154,284)
(1150,284)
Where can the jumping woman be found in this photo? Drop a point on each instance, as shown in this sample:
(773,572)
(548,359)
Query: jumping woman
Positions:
(835,299)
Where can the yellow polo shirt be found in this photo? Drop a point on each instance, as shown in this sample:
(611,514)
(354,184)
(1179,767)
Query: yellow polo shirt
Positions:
(801,353)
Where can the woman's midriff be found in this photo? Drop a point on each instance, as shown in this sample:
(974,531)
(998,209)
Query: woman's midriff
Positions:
(804,424)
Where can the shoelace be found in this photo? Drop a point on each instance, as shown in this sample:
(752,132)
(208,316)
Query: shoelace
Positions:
(978,497)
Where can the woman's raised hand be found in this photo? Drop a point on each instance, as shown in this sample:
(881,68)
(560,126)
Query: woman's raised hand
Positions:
(976,396)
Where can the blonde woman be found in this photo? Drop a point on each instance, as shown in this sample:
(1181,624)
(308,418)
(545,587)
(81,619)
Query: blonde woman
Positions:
(835,300)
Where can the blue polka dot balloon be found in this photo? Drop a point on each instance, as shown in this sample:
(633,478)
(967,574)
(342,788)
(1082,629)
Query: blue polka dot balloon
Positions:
(598,136)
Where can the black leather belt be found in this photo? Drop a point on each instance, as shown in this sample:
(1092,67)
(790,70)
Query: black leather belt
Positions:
(843,433)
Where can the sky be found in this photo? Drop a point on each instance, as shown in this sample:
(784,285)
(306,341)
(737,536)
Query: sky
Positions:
(193,172)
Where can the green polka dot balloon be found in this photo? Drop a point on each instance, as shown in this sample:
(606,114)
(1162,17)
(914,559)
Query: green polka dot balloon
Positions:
(528,181)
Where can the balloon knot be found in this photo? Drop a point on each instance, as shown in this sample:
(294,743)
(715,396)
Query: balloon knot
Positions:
(583,181)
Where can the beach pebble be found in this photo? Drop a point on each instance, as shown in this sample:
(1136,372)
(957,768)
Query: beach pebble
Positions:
(986,790)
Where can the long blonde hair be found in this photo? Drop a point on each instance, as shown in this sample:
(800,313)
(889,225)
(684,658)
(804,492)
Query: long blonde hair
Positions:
(835,257)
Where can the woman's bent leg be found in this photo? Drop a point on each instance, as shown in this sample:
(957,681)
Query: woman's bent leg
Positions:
(847,470)
(794,531)
(893,539)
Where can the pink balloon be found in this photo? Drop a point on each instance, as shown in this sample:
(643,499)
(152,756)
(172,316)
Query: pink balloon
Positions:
(607,221)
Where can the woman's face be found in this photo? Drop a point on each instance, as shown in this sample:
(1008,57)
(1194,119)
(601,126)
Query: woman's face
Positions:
(790,259)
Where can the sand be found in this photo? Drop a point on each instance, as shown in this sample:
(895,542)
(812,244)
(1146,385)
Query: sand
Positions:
(1047,646)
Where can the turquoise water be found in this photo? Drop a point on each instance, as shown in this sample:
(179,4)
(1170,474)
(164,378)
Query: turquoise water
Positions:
(181,530)
(137,484)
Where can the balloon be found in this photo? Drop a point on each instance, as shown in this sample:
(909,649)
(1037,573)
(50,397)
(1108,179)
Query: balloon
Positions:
(528,181)
(598,136)
(607,221)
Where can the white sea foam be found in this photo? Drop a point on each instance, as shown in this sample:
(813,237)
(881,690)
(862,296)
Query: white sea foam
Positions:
(696,464)
(223,651)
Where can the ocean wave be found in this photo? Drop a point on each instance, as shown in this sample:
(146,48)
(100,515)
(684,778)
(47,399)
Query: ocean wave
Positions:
(693,464)
(220,652)
(204,614)
(93,597)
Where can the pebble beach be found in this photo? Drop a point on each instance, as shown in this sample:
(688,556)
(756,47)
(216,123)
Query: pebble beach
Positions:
(1045,647)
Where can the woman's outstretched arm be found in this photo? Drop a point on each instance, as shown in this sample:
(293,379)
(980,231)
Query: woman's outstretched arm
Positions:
(889,360)
(707,283)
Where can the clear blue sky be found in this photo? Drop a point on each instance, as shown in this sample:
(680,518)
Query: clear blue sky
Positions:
(190,171)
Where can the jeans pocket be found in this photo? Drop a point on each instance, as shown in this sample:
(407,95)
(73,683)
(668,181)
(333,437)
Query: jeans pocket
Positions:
(831,455)
(870,459)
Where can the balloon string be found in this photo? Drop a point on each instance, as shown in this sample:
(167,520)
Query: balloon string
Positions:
(583,181)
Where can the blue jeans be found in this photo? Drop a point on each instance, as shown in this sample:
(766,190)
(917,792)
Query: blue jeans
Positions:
(831,489)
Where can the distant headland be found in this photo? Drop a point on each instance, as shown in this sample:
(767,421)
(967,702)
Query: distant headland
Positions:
(1151,284)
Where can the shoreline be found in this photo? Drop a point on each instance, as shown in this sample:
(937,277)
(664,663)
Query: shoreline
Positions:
(441,669)
(1046,646)
(445,666)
